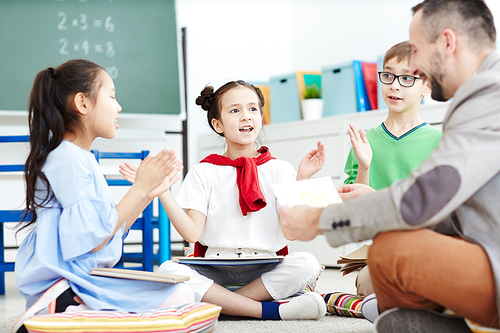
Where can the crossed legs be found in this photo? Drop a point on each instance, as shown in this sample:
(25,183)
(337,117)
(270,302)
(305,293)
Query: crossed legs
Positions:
(422,269)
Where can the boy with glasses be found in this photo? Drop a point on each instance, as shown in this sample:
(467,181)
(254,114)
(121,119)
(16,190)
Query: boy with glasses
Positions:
(390,151)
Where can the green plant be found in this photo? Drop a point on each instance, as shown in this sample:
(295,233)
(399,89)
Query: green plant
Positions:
(312,91)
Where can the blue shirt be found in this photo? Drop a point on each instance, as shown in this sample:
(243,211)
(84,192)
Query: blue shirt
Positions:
(78,218)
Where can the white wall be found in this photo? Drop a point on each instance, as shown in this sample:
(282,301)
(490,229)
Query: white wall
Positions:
(255,40)
(228,40)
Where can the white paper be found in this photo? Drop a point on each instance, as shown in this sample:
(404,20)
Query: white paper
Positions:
(316,192)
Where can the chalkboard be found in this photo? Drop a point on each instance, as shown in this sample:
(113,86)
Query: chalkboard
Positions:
(134,40)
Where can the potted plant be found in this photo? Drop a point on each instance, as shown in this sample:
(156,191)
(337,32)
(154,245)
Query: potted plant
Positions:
(312,104)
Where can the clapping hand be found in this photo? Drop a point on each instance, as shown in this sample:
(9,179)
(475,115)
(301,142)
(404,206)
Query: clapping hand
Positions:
(170,173)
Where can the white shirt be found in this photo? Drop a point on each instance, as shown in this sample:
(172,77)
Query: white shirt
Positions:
(212,190)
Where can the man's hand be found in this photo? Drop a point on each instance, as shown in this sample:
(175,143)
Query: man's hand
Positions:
(352,191)
(300,222)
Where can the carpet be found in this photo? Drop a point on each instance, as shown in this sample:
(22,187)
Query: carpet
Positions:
(329,323)
(7,324)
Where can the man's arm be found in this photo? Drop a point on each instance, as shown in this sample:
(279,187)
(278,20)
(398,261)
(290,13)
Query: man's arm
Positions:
(462,163)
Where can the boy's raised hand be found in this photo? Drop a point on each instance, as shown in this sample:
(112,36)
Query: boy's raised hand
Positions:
(162,170)
(361,147)
(312,162)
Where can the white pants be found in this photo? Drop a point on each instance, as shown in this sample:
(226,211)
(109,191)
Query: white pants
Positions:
(281,280)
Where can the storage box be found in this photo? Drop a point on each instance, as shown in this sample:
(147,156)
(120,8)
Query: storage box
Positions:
(285,100)
(339,89)
(265,88)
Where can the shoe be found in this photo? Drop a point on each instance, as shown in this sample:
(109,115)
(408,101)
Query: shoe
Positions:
(42,304)
(422,321)
(369,307)
(309,305)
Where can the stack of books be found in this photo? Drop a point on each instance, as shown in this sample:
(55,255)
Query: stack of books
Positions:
(354,260)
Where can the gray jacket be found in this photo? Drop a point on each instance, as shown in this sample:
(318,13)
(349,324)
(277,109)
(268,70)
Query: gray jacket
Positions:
(459,182)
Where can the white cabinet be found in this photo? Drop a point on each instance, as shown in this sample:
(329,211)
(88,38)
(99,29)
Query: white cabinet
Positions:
(292,141)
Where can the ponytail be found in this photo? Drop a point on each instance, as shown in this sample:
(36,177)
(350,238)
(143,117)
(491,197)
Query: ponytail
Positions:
(52,113)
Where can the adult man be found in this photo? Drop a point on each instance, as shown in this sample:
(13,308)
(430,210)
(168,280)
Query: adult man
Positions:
(458,186)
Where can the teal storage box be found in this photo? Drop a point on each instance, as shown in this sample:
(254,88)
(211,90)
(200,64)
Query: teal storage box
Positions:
(380,99)
(285,100)
(338,89)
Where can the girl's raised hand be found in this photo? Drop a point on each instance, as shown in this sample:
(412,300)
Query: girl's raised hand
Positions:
(312,162)
(361,146)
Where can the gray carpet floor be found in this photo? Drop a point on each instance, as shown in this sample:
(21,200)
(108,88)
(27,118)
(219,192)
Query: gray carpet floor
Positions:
(329,323)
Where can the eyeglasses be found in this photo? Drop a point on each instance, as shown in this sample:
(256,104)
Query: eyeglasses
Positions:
(404,80)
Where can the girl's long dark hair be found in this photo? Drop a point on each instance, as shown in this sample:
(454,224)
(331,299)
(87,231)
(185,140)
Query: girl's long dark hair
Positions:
(52,113)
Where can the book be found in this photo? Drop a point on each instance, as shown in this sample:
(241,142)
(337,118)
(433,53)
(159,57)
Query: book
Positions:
(316,192)
(362,95)
(138,275)
(227,261)
(354,260)
(370,76)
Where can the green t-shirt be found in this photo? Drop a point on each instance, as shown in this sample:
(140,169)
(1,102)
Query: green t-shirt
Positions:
(394,158)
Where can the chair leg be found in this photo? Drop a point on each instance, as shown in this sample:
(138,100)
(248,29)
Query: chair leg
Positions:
(2,261)
(165,244)
(2,283)
(147,239)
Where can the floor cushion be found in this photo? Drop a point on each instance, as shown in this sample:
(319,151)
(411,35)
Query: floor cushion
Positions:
(193,317)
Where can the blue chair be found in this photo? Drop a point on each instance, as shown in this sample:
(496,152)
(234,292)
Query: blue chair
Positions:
(9,215)
(146,223)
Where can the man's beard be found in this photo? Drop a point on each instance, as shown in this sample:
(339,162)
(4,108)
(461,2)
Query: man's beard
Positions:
(437,93)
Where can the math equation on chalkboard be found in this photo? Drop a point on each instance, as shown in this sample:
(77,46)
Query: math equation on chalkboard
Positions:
(135,41)
(82,22)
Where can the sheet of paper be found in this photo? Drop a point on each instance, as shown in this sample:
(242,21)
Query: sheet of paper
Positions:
(316,192)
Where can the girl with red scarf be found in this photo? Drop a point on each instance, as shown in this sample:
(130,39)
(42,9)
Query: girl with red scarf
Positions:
(227,206)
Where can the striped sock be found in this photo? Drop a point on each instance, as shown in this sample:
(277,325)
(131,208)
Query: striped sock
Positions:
(343,304)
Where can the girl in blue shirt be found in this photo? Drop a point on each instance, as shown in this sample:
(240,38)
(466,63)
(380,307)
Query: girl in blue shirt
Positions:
(75,225)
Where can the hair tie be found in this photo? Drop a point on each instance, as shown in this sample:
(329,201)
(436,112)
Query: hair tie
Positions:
(52,72)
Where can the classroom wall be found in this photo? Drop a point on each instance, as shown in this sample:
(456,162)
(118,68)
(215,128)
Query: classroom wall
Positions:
(252,40)
(255,40)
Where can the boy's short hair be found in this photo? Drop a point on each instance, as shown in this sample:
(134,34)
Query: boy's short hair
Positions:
(401,51)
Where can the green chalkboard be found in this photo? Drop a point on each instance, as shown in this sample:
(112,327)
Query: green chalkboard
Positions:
(134,40)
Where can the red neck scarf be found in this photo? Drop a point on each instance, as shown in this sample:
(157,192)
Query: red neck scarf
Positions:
(247,178)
